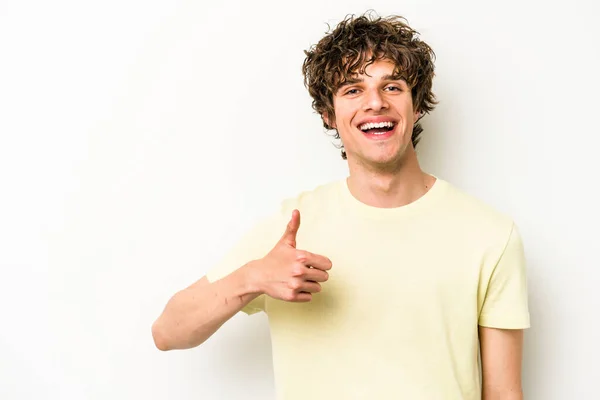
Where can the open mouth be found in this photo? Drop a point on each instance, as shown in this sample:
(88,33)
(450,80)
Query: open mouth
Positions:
(377,128)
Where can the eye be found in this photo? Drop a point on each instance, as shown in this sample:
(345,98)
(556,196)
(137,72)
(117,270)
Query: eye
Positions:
(351,91)
(393,88)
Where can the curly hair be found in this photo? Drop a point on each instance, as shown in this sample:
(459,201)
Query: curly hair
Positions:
(357,42)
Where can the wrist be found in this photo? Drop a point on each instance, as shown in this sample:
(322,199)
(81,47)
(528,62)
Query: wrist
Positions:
(250,278)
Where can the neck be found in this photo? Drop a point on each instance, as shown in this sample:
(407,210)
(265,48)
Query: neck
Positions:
(389,187)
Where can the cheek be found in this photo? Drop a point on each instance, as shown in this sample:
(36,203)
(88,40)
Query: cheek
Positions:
(345,108)
(412,114)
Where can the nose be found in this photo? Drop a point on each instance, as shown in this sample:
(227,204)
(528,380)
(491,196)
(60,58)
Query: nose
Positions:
(374,100)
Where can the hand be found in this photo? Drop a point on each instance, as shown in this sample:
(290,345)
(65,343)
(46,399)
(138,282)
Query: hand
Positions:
(287,273)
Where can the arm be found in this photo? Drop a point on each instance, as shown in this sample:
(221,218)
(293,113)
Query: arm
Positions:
(194,314)
(501,359)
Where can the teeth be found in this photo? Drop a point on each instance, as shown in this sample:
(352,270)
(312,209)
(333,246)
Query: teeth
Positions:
(372,125)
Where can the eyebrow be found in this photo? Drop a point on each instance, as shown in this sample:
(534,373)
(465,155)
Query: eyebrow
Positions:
(388,77)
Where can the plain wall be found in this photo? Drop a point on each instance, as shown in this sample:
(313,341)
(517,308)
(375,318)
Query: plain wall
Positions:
(140,139)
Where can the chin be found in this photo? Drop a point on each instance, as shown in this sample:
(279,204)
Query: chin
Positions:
(386,162)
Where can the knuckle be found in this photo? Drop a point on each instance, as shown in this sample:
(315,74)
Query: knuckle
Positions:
(297,270)
(288,296)
(301,256)
(294,284)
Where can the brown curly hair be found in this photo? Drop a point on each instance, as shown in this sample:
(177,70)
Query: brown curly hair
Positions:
(357,42)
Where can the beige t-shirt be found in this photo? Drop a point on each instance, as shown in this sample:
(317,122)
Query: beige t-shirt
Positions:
(398,317)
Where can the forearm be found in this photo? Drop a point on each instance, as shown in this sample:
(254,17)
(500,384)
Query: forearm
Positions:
(490,393)
(194,314)
(501,355)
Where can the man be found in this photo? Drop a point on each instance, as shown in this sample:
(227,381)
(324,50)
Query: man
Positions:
(384,285)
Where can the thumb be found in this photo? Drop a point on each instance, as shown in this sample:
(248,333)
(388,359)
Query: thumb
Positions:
(289,236)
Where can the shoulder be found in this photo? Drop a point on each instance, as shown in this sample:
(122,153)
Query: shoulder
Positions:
(475,216)
(309,202)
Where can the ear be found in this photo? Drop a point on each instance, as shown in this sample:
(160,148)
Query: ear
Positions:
(329,121)
(418,114)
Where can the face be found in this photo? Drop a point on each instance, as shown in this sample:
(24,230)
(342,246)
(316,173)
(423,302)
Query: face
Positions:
(374,116)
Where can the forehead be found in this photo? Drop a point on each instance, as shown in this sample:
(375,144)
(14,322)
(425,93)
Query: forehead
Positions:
(382,68)
(375,67)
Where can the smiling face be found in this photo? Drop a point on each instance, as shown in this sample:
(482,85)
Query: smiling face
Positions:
(374,116)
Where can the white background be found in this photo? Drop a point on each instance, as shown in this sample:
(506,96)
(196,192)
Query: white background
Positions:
(139,139)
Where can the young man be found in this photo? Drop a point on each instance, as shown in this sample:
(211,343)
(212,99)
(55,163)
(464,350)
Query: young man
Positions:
(384,285)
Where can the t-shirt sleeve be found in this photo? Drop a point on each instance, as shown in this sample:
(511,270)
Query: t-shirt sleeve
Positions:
(254,244)
(505,304)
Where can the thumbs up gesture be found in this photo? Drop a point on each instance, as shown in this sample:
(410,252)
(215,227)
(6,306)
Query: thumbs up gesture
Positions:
(287,273)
